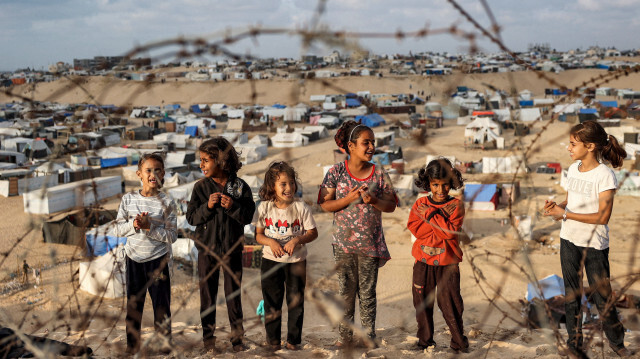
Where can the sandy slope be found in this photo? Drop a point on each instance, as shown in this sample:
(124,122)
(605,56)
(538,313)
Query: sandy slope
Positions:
(491,291)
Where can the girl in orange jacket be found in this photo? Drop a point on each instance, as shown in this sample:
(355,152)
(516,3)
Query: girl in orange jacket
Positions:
(435,221)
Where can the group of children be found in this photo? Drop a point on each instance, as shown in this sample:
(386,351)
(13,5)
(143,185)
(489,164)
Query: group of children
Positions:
(357,191)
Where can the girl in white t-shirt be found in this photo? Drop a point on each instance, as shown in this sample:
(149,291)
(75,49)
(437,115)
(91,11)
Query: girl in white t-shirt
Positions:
(585,214)
(284,225)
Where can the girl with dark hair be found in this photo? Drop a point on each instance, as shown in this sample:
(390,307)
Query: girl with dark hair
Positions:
(148,220)
(357,192)
(435,221)
(221,205)
(284,225)
(585,213)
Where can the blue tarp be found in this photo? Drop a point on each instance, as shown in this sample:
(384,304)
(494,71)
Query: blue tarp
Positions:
(174,106)
(608,103)
(277,105)
(113,162)
(108,107)
(588,110)
(479,192)
(191,131)
(352,102)
(195,109)
(551,286)
(101,244)
(602,67)
(381,158)
(557,92)
(351,95)
(528,103)
(371,120)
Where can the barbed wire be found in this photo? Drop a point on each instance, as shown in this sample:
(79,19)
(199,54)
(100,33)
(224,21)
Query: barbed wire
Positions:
(82,313)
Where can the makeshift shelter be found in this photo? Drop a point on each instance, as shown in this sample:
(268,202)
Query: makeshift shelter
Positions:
(507,164)
(250,152)
(588,114)
(482,130)
(289,140)
(104,276)
(314,133)
(386,138)
(69,227)
(329,122)
(175,139)
(70,195)
(36,148)
(371,120)
(254,182)
(403,185)
(14,182)
(629,183)
(180,157)
(483,197)
(528,114)
(110,137)
(102,239)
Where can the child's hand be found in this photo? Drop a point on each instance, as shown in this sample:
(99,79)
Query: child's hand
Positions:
(366,196)
(554,211)
(226,201)
(548,205)
(213,199)
(292,245)
(276,249)
(422,210)
(450,207)
(353,194)
(144,221)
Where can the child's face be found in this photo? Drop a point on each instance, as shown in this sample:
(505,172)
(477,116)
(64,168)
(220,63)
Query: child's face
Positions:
(285,188)
(151,174)
(578,150)
(209,166)
(439,189)
(364,147)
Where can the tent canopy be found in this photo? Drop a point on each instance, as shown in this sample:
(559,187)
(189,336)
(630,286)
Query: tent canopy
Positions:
(371,120)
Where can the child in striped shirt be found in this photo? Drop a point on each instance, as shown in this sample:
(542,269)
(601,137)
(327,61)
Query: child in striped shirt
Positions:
(148,220)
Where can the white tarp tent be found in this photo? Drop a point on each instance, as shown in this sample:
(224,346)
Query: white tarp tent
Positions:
(254,182)
(295,114)
(250,152)
(482,130)
(403,184)
(18,144)
(507,164)
(179,140)
(289,140)
(528,114)
(105,275)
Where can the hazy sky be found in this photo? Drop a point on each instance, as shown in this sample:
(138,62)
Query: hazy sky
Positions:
(36,33)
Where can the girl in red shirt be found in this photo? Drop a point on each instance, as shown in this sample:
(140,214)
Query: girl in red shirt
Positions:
(435,221)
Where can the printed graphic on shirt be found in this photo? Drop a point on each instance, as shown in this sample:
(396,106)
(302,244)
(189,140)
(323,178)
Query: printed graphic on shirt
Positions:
(279,227)
(580,186)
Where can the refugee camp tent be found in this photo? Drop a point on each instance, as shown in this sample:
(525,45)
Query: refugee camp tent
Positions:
(483,197)
(178,140)
(235,114)
(482,130)
(14,182)
(507,164)
(587,114)
(403,185)
(329,121)
(105,275)
(251,152)
(234,125)
(110,137)
(70,227)
(528,114)
(37,148)
(140,133)
(387,138)
(371,120)
(295,114)
(259,140)
(313,132)
(289,140)
(254,182)
(352,102)
(49,168)
(69,195)
(180,157)
(629,183)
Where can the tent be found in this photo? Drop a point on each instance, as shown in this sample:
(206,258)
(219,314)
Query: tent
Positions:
(403,184)
(528,114)
(371,120)
(255,182)
(104,276)
(140,133)
(37,147)
(69,227)
(191,131)
(483,197)
(352,102)
(482,130)
(103,239)
(507,164)
(289,140)
(250,152)
(551,286)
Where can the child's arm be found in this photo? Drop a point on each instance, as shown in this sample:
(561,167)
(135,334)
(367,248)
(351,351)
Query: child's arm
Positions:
(308,236)
(241,209)
(124,225)
(417,223)
(447,222)
(385,204)
(605,206)
(327,199)
(166,232)
(198,211)
(275,246)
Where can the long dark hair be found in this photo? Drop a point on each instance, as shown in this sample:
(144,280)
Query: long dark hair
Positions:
(223,152)
(268,190)
(349,131)
(439,169)
(607,146)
